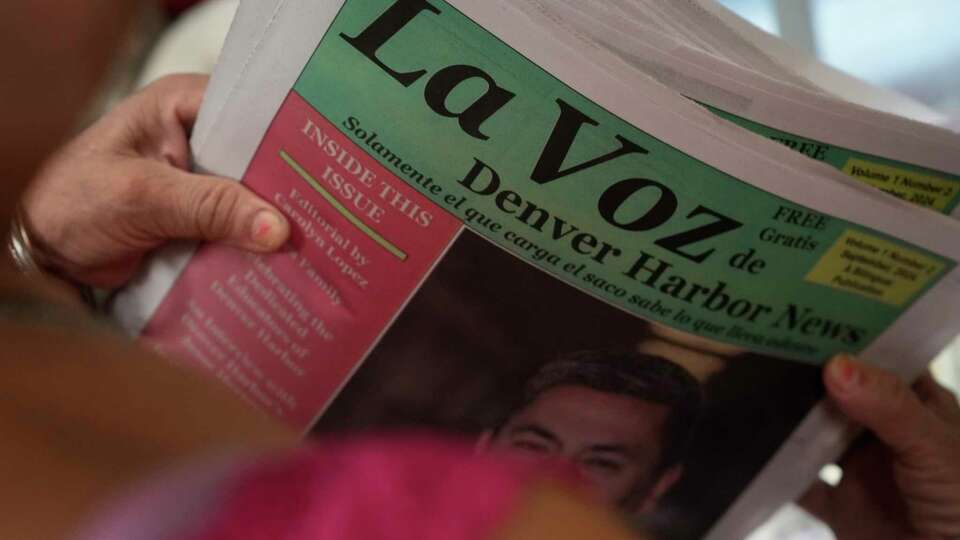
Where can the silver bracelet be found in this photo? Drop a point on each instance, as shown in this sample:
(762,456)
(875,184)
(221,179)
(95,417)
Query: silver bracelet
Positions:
(21,247)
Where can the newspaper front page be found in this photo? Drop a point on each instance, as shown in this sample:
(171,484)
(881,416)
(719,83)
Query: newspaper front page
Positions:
(495,236)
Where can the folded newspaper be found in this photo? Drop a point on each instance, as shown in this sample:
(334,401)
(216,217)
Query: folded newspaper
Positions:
(543,226)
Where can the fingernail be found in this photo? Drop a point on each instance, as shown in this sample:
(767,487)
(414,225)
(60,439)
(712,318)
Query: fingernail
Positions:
(266,228)
(844,373)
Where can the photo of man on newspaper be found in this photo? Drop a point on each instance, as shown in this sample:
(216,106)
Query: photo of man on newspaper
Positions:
(656,420)
(623,418)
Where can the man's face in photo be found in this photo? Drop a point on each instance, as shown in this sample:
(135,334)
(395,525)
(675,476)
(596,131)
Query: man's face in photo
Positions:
(615,440)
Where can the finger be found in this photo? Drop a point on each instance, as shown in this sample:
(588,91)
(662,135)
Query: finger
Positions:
(180,94)
(166,111)
(881,402)
(938,399)
(184,206)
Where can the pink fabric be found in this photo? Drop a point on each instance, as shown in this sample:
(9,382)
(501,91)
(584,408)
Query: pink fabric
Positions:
(169,505)
(386,489)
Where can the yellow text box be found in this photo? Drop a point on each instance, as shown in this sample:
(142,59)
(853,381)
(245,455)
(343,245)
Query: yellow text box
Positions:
(922,189)
(863,264)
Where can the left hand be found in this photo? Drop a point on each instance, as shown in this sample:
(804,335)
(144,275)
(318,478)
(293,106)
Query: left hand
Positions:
(122,189)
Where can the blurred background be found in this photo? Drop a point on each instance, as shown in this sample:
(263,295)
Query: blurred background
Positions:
(912,48)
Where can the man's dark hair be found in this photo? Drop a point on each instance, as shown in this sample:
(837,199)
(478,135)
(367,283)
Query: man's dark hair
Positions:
(629,373)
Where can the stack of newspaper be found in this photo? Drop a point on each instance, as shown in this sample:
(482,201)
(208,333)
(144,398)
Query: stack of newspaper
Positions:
(618,232)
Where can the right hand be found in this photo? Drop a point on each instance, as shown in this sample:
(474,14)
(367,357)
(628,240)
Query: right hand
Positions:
(122,189)
(903,481)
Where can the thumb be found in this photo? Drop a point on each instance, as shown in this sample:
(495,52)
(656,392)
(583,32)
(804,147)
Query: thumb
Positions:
(881,402)
(185,206)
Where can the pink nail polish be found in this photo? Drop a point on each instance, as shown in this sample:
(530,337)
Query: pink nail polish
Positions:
(845,373)
(265,225)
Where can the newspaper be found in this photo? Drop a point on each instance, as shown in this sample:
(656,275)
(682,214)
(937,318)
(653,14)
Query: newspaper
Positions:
(504,231)
(916,162)
(826,77)
(720,39)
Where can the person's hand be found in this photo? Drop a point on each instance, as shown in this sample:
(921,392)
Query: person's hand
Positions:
(122,188)
(903,481)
